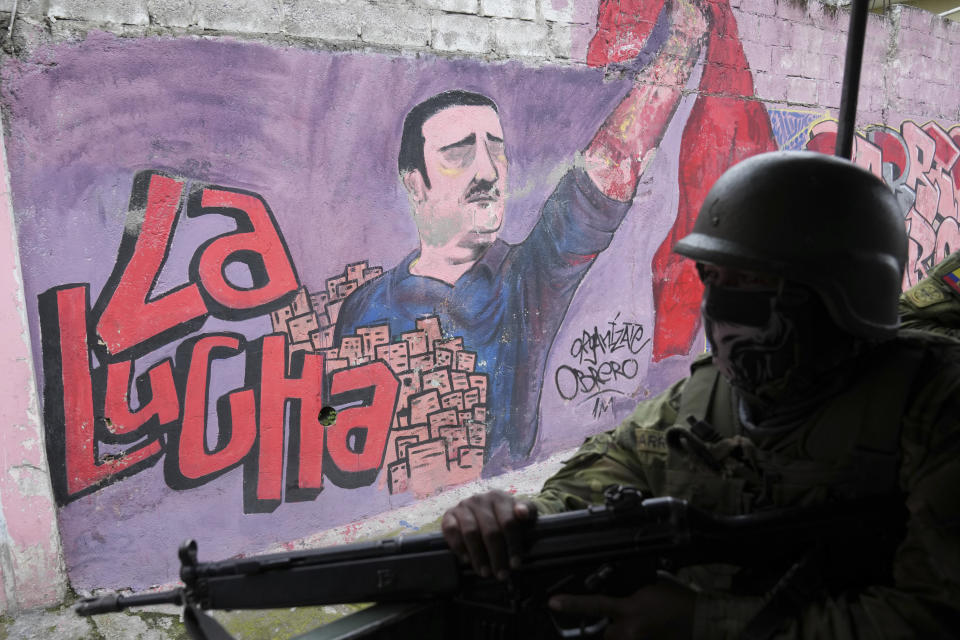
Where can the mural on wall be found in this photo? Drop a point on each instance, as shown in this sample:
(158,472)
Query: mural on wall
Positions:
(473,276)
(920,163)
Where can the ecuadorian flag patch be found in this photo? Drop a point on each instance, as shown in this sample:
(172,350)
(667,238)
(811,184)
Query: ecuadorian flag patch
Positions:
(953,279)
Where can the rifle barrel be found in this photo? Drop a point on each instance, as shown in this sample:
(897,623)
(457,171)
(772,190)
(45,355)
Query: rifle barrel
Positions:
(114,602)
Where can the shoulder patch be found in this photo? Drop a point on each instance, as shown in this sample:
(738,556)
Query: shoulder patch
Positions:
(651,441)
(953,280)
(925,294)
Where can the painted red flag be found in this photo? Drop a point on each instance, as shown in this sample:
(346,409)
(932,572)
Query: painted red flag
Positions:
(725,126)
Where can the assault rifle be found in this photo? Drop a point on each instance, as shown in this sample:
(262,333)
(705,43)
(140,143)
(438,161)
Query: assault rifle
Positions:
(424,591)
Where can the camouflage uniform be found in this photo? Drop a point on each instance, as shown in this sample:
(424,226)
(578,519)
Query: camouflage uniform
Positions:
(933,304)
(903,403)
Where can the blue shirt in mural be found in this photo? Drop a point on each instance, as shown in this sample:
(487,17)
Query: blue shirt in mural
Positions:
(507,307)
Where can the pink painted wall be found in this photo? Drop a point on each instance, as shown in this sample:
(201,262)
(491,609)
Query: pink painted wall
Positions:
(29,542)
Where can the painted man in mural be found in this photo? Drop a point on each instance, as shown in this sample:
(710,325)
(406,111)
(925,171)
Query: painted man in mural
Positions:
(508,301)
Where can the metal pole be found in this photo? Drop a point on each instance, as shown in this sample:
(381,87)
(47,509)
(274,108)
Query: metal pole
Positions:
(851,78)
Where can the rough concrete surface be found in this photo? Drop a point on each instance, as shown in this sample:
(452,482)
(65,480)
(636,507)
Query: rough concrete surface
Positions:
(163,623)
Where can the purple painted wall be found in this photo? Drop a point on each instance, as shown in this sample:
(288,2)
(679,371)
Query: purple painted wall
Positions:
(314,134)
(310,133)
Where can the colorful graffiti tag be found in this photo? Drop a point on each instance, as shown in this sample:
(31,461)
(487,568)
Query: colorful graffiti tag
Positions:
(920,163)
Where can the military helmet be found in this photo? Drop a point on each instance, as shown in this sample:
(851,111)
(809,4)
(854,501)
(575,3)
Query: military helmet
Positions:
(814,219)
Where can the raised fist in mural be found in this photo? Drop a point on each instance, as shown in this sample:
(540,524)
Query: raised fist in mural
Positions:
(689,25)
(663,53)
(486,530)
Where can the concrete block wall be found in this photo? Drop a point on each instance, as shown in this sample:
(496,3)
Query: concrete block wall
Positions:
(496,29)
(794,50)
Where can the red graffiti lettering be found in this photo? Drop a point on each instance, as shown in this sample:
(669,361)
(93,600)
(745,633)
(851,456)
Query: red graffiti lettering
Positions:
(236,436)
(162,403)
(128,318)
(920,164)
(101,435)
(277,388)
(356,443)
(154,205)
(69,397)
(256,244)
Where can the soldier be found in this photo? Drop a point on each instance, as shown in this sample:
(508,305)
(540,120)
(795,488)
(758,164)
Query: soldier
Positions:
(933,304)
(809,396)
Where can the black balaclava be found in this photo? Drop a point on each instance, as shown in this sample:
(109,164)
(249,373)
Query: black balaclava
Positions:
(778,347)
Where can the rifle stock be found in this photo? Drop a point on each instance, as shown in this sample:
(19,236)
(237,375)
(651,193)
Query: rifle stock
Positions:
(612,549)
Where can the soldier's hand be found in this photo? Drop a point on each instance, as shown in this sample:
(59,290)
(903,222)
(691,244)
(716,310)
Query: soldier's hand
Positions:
(663,610)
(486,530)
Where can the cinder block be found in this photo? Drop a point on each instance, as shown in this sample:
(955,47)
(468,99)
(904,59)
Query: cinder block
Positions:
(810,65)
(247,16)
(875,49)
(871,77)
(580,35)
(395,25)
(328,20)
(760,7)
(451,6)
(521,38)
(953,29)
(917,19)
(748,25)
(828,93)
(34,8)
(519,9)
(939,53)
(788,10)
(789,63)
(807,38)
(557,10)
(770,86)
(758,56)
(114,11)
(467,34)
(802,91)
(560,40)
(816,14)
(172,13)
(771,31)
(872,100)
(834,44)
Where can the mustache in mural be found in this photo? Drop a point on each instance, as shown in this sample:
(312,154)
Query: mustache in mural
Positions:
(482,191)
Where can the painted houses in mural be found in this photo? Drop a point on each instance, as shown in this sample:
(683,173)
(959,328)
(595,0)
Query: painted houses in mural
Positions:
(471,261)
